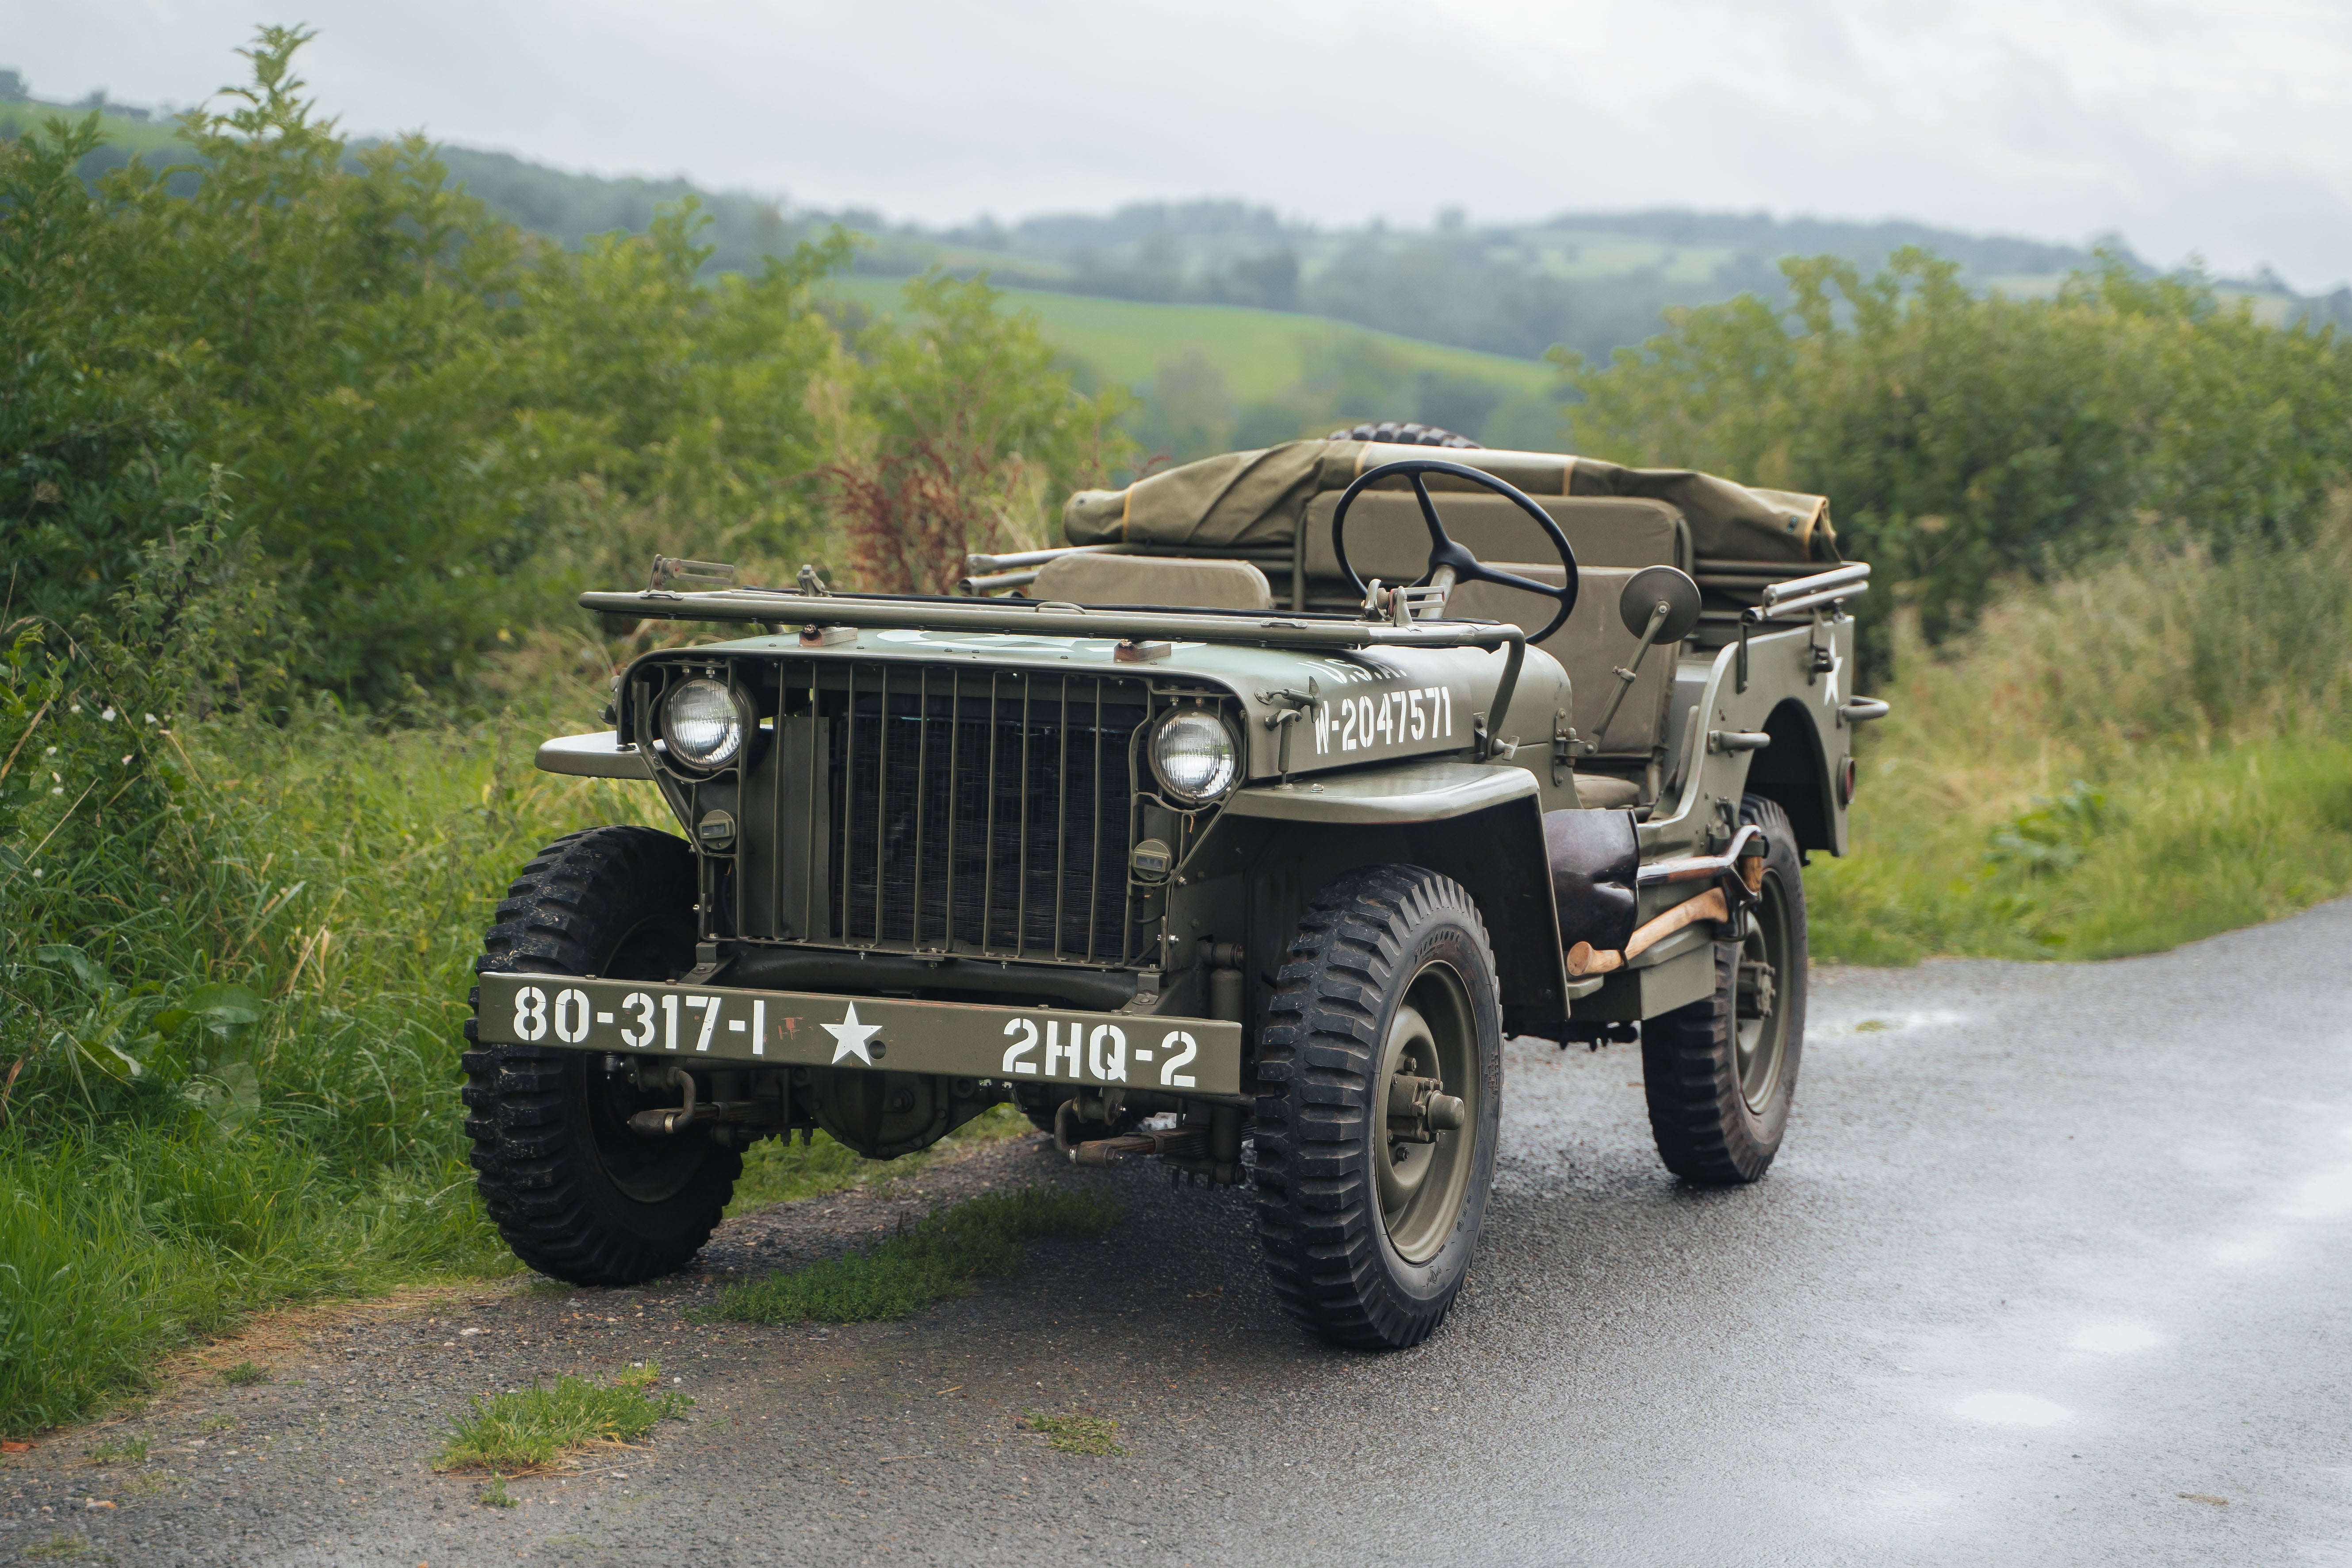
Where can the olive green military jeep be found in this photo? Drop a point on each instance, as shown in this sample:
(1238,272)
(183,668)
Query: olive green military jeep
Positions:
(1236,834)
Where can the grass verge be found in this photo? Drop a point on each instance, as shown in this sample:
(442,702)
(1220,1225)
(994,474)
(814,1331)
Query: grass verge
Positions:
(2179,849)
(234,1032)
(934,1261)
(531,1429)
(782,1170)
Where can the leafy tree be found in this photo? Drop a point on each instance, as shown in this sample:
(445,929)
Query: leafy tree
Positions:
(958,432)
(328,336)
(1188,411)
(432,425)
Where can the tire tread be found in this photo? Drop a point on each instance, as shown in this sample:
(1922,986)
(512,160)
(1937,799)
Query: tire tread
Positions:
(525,1139)
(1698,1118)
(1317,1209)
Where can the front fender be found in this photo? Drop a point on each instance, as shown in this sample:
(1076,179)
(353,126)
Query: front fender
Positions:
(1418,792)
(1274,848)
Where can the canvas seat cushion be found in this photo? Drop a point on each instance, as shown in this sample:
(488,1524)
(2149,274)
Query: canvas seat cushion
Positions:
(1590,647)
(1205,585)
(1606,792)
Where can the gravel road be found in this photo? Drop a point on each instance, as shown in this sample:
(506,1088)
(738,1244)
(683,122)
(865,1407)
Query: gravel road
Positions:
(2053,1269)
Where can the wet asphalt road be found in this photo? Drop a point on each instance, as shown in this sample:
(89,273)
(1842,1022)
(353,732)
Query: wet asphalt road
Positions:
(2053,1269)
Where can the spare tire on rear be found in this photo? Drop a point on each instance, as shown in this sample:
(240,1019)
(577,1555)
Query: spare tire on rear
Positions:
(1398,433)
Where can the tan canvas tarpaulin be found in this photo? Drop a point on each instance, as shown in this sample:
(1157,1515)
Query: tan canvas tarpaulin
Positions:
(1256,499)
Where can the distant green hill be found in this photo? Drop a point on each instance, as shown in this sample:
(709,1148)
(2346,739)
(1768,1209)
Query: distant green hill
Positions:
(1212,377)
(1256,322)
(130,132)
(1258,352)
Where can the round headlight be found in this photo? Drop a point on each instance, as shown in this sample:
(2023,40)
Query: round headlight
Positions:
(1194,755)
(702,724)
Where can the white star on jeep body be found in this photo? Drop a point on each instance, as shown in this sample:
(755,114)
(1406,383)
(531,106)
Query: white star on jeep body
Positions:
(849,1036)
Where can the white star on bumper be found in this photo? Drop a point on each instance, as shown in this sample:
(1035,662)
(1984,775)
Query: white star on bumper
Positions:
(850,1037)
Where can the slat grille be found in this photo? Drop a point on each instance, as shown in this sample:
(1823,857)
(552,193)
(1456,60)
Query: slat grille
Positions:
(976,810)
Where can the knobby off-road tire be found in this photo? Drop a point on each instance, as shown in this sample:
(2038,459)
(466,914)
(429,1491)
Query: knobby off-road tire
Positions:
(1720,1073)
(1401,433)
(1367,1241)
(574,1190)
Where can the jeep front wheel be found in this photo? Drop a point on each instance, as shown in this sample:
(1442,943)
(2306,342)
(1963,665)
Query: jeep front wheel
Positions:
(570,1187)
(1380,1093)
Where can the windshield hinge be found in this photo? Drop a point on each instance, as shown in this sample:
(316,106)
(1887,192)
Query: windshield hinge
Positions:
(690,576)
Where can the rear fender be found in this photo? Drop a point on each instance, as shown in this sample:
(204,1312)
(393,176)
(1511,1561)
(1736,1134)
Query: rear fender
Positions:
(1786,699)
(1797,770)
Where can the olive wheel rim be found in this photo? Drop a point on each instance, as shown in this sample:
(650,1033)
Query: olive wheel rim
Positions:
(1760,1004)
(1422,1186)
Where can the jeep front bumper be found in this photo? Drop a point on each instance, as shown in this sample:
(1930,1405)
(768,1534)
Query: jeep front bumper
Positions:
(795,1028)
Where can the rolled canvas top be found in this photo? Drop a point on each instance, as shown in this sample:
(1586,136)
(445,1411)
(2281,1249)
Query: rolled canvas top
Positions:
(1243,499)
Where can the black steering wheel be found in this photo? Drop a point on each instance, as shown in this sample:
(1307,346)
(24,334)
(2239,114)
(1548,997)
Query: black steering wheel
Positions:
(1444,551)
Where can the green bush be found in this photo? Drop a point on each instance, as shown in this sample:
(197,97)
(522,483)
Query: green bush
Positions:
(233,963)
(1966,438)
(281,438)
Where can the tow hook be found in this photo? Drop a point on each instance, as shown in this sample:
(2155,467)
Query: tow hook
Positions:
(674,1119)
(1418,1112)
(667,1120)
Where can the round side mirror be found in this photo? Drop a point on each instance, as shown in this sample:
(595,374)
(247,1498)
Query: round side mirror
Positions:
(1653,585)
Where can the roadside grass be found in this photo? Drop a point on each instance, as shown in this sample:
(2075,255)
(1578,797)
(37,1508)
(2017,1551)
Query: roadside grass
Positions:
(290,978)
(237,1081)
(115,1449)
(936,1260)
(1092,1435)
(2154,753)
(531,1429)
(2185,848)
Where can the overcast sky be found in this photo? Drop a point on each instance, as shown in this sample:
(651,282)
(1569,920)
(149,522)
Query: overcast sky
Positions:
(2214,127)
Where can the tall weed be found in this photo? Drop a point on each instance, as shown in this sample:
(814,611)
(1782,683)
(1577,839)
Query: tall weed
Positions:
(2153,751)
